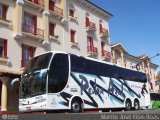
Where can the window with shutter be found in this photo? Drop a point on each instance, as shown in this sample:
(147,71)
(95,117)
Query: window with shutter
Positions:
(1,11)
(151,86)
(51,5)
(71,13)
(87,21)
(52,29)
(35,25)
(4,12)
(100,28)
(73,36)
(3,48)
(27,54)
(90,44)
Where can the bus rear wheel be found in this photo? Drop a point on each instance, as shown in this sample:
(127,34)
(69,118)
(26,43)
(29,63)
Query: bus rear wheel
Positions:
(76,106)
(136,105)
(128,105)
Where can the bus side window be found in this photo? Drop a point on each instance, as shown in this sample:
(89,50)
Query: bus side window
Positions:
(58,73)
(77,64)
(127,75)
(114,72)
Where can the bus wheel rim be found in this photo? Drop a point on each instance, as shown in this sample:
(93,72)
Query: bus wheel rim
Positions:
(136,105)
(75,107)
(128,106)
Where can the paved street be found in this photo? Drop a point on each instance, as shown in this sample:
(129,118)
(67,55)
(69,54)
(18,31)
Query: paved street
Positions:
(125,115)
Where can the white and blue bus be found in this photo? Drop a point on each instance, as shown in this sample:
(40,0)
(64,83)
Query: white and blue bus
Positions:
(61,81)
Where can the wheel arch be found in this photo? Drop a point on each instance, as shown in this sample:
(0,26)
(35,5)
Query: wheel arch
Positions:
(77,98)
(128,99)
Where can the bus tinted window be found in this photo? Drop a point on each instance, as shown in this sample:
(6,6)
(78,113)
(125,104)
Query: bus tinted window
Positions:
(38,63)
(58,73)
(78,64)
(83,65)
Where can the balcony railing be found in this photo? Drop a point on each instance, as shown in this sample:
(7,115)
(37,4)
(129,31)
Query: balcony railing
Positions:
(38,2)
(104,31)
(91,49)
(33,30)
(24,62)
(91,24)
(106,54)
(56,9)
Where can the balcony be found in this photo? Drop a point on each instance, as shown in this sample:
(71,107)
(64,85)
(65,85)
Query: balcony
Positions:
(92,51)
(24,62)
(37,4)
(32,31)
(56,11)
(104,33)
(90,26)
(106,55)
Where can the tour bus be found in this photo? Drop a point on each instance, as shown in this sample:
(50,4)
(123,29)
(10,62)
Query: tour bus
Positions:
(155,100)
(62,81)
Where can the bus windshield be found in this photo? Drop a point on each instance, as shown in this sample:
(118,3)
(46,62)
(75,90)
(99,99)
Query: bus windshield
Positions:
(33,80)
(38,63)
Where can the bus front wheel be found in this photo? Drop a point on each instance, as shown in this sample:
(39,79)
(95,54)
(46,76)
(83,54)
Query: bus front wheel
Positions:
(76,106)
(128,105)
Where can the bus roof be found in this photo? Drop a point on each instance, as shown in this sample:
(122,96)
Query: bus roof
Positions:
(89,58)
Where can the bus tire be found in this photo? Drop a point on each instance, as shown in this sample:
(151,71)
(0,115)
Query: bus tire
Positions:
(136,105)
(76,106)
(128,105)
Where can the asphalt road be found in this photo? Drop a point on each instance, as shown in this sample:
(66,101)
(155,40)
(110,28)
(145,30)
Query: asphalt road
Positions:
(121,115)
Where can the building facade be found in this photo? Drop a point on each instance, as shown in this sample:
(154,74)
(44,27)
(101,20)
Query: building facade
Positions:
(31,27)
(141,63)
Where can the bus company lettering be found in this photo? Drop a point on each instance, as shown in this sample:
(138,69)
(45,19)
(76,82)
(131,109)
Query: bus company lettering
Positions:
(97,89)
(91,90)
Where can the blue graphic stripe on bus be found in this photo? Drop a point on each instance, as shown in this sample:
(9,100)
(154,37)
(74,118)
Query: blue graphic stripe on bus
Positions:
(65,96)
(113,88)
(113,99)
(129,89)
(101,79)
(94,85)
(124,89)
(93,103)
(83,88)
(107,91)
(144,89)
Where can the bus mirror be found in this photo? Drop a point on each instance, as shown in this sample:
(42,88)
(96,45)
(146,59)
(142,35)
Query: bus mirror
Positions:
(13,81)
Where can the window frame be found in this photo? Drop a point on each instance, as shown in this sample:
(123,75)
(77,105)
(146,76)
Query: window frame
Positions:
(4,10)
(2,45)
(72,36)
(71,13)
(3,42)
(52,27)
(1,11)
(31,51)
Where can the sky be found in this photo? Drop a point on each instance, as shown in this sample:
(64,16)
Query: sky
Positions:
(135,24)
